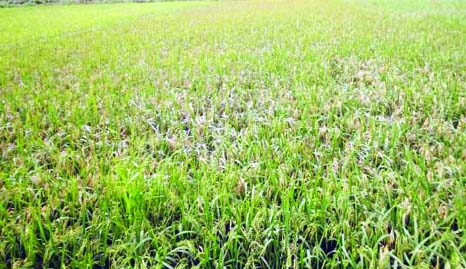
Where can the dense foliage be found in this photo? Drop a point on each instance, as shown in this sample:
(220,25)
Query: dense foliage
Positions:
(271,134)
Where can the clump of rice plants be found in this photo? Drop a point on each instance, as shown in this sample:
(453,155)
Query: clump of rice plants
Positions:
(234,134)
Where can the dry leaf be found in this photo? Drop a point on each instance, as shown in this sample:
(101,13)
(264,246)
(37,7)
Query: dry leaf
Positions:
(240,187)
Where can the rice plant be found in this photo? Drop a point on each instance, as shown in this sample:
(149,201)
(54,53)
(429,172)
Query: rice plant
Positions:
(234,134)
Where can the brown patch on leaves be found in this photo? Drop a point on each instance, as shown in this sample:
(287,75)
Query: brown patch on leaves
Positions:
(240,188)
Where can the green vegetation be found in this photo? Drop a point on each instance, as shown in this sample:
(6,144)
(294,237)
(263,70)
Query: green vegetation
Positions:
(271,134)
